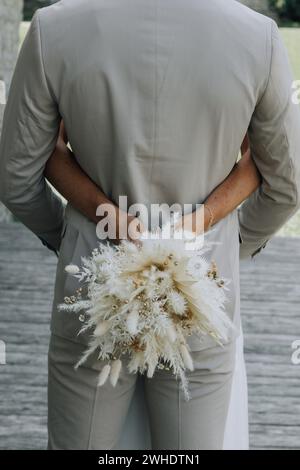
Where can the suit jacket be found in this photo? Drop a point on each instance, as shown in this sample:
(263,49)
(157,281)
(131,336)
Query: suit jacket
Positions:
(156,96)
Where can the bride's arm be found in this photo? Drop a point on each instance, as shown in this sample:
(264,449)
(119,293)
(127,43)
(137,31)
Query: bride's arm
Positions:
(64,173)
(68,178)
(237,187)
(243,180)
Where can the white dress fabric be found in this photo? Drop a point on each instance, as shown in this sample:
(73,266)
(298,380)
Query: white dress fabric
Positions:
(237,425)
(136,433)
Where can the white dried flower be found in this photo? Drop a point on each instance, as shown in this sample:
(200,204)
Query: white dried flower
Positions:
(102,328)
(177,302)
(72,269)
(171,333)
(104,374)
(151,370)
(186,357)
(136,362)
(116,367)
(132,322)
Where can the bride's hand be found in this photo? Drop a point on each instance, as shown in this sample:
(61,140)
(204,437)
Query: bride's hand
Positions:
(196,222)
(128,227)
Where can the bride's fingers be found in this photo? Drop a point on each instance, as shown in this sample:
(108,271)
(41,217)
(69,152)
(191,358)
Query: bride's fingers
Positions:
(138,243)
(135,229)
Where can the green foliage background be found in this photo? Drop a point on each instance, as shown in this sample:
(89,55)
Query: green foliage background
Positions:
(288,10)
(31,5)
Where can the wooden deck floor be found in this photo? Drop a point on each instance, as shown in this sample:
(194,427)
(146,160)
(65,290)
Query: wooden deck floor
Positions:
(271,318)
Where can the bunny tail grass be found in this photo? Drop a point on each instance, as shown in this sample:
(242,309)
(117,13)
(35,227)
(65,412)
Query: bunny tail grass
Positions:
(104,374)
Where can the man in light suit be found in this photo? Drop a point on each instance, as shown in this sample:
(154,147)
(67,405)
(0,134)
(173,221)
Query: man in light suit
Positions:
(156,97)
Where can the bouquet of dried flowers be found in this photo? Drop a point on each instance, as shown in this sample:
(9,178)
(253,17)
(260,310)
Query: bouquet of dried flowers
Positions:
(146,300)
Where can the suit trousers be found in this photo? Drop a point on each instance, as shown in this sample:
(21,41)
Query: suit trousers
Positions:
(84,416)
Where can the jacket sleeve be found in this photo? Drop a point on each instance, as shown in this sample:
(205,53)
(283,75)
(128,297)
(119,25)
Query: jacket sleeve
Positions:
(29,135)
(275,144)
